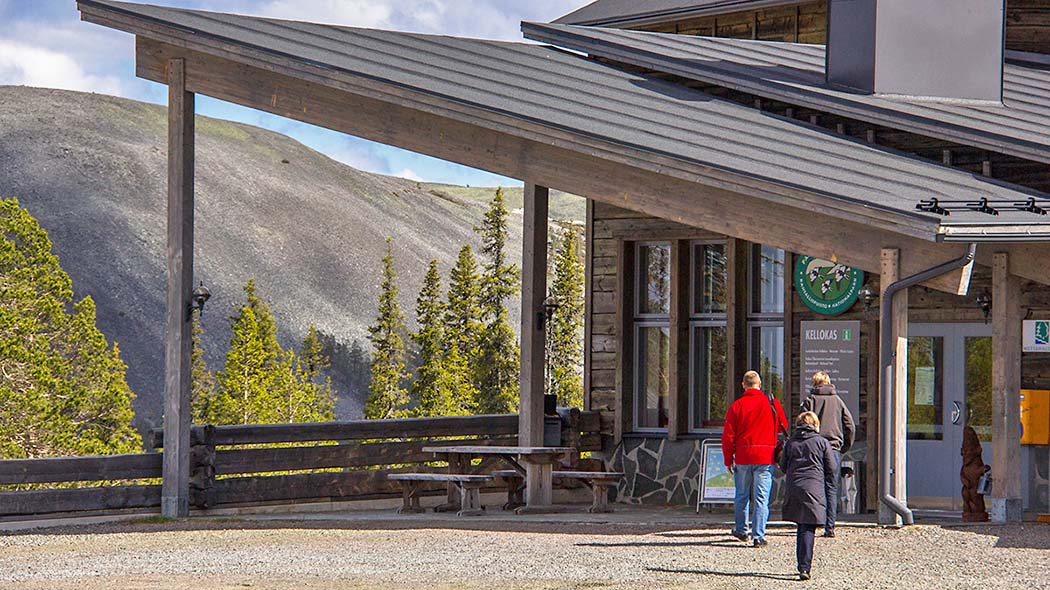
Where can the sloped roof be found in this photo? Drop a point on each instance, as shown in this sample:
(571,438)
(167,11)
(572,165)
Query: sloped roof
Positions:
(654,124)
(794,73)
(610,12)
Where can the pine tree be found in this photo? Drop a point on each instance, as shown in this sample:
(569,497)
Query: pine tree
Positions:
(566,331)
(387,397)
(431,388)
(203,390)
(463,324)
(496,375)
(63,389)
(459,381)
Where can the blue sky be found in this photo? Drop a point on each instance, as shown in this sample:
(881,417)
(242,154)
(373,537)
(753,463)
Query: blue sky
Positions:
(44,43)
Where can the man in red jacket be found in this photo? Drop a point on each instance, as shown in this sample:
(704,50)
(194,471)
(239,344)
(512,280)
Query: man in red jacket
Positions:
(749,440)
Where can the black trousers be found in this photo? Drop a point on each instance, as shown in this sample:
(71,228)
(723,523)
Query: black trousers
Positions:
(831,491)
(804,546)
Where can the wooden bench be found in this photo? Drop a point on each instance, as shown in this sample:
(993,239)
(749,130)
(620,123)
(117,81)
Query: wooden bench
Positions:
(469,490)
(598,481)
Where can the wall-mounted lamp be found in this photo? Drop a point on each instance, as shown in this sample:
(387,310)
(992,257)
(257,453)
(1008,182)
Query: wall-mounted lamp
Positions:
(984,301)
(543,318)
(199,297)
(868,296)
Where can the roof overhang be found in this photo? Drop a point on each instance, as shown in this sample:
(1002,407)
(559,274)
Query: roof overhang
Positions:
(603,14)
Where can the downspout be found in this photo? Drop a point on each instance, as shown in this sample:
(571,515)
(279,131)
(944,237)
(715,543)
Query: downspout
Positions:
(888,351)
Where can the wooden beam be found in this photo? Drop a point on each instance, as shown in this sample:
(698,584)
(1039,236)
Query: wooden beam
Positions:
(588,304)
(1006,391)
(625,339)
(790,400)
(737,303)
(897,486)
(67,469)
(175,491)
(572,164)
(533,292)
(678,386)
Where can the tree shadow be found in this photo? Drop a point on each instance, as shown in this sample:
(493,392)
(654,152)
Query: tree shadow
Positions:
(729,542)
(768,576)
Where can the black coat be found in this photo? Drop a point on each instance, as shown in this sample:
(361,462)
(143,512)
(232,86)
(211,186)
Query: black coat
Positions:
(807,461)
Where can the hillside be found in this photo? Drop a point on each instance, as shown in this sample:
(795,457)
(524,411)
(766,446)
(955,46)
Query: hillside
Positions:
(309,229)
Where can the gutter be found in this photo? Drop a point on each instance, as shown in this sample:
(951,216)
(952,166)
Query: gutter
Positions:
(887,387)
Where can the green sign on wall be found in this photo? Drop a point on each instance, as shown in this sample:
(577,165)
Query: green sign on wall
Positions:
(826,287)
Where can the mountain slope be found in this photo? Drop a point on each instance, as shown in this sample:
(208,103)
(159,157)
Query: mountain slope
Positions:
(310,230)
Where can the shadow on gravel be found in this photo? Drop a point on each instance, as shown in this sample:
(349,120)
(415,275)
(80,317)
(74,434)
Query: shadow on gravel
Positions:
(724,542)
(1011,536)
(779,577)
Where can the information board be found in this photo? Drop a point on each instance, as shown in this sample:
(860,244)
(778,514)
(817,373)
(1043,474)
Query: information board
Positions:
(716,483)
(1036,334)
(833,346)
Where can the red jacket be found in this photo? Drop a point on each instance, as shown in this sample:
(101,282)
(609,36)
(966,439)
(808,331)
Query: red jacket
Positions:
(750,434)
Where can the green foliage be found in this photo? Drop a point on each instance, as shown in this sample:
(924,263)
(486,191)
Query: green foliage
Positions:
(566,330)
(496,364)
(433,388)
(387,397)
(202,381)
(63,390)
(463,312)
(261,383)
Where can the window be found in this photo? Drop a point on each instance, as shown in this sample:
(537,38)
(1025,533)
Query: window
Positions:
(652,348)
(766,317)
(707,335)
(925,388)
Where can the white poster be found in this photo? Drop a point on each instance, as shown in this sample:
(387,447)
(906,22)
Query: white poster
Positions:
(924,382)
(1036,334)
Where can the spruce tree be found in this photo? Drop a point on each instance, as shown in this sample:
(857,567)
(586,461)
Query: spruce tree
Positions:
(203,390)
(63,390)
(566,330)
(496,365)
(387,397)
(463,325)
(432,389)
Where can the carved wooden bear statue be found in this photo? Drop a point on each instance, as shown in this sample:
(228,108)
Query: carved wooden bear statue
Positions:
(972,469)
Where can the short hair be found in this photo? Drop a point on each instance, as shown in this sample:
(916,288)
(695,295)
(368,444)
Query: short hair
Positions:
(808,418)
(821,378)
(752,379)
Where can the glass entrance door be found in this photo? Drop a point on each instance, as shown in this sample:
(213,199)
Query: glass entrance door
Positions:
(949,386)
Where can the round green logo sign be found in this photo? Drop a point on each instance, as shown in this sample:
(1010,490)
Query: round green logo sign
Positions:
(826,287)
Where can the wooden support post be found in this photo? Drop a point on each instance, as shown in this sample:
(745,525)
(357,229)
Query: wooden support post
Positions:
(678,386)
(898,485)
(533,292)
(736,316)
(792,402)
(625,337)
(1006,390)
(175,492)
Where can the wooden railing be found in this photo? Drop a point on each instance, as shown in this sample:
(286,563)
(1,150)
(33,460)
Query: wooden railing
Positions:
(271,463)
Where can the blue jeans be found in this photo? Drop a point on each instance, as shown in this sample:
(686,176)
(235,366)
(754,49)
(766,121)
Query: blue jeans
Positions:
(757,481)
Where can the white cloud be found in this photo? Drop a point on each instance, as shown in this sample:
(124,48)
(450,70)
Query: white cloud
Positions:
(409,174)
(357,13)
(30,65)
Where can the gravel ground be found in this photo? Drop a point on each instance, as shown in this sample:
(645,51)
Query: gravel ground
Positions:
(391,554)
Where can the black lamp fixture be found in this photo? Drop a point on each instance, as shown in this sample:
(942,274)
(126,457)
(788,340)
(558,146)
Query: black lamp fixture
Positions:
(984,301)
(550,305)
(868,296)
(199,297)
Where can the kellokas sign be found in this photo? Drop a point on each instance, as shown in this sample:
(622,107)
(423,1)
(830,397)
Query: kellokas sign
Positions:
(1036,334)
(833,346)
(827,287)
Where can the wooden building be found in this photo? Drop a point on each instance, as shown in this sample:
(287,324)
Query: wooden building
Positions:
(716,169)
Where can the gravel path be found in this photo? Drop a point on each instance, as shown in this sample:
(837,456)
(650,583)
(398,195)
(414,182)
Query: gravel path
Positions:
(384,555)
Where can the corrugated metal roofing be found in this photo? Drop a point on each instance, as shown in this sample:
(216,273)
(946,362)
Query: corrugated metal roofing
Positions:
(794,73)
(633,113)
(607,12)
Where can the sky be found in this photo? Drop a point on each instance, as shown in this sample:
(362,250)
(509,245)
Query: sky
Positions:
(43,43)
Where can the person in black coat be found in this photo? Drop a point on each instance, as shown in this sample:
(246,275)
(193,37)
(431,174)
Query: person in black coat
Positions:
(807,461)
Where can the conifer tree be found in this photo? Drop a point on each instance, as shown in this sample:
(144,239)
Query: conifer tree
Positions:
(387,397)
(463,324)
(566,330)
(63,389)
(432,389)
(496,375)
(203,390)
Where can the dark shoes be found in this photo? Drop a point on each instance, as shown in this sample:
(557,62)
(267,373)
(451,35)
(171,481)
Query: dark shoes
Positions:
(803,576)
(829,533)
(760,543)
(743,537)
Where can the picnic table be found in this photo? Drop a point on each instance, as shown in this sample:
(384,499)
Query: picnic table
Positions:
(535,464)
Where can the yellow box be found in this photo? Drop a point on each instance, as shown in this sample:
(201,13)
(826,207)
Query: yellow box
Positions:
(1035,416)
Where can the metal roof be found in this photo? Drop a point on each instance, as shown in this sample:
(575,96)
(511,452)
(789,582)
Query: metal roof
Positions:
(718,142)
(609,12)
(794,73)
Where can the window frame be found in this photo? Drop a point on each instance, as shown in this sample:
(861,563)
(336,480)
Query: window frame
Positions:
(699,319)
(695,327)
(636,305)
(638,373)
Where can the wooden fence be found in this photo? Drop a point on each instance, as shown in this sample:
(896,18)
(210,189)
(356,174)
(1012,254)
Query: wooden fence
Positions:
(249,464)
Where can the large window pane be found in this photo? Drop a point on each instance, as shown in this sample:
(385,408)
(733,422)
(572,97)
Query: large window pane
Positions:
(767,274)
(654,279)
(653,366)
(709,279)
(925,388)
(767,357)
(979,386)
(708,395)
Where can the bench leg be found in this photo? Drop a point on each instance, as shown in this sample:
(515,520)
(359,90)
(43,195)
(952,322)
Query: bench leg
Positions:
(410,498)
(600,501)
(515,493)
(470,499)
(455,465)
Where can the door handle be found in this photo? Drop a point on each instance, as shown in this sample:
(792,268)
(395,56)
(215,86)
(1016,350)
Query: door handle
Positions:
(956,412)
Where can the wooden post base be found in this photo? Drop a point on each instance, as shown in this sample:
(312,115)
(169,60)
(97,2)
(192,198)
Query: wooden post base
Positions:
(410,497)
(600,500)
(470,499)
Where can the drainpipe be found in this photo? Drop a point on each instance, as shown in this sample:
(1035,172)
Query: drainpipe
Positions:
(888,351)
